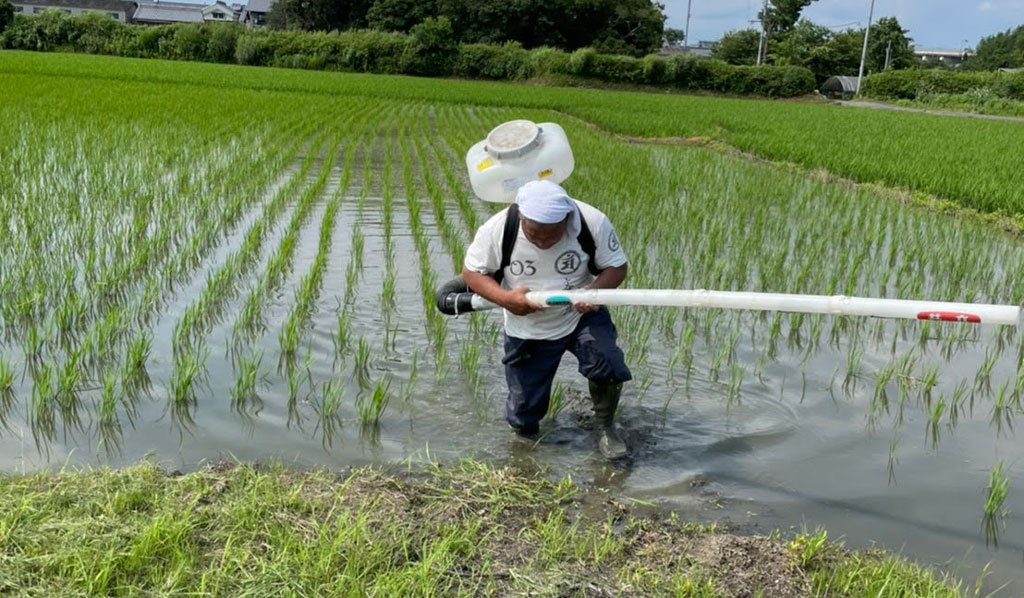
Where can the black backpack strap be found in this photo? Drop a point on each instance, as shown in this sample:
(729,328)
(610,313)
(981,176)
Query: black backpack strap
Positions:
(586,241)
(508,240)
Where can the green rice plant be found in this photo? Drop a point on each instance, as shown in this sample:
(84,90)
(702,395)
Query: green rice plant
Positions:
(934,418)
(6,376)
(557,401)
(994,514)
(331,399)
(1002,411)
(138,351)
(343,333)
(42,409)
(245,395)
(185,376)
(893,460)
(880,398)
(735,384)
(108,424)
(982,379)
(372,406)
(361,367)
(410,383)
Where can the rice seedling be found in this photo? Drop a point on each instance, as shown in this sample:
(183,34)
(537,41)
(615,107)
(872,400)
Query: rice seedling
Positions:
(108,423)
(7,397)
(331,399)
(343,333)
(557,401)
(1002,411)
(361,367)
(138,352)
(371,406)
(6,376)
(185,376)
(993,519)
(245,397)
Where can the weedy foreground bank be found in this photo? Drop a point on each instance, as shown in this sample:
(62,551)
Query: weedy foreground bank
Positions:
(465,530)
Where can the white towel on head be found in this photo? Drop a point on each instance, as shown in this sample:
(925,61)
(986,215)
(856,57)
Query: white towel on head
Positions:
(547,203)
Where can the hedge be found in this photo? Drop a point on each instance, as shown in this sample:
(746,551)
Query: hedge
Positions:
(912,84)
(429,50)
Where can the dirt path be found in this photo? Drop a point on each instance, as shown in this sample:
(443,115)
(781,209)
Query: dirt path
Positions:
(884,106)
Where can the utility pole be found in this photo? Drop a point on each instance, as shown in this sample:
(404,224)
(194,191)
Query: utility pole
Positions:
(888,55)
(686,32)
(761,49)
(864,52)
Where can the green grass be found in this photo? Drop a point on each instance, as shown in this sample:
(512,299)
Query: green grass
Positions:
(907,150)
(467,530)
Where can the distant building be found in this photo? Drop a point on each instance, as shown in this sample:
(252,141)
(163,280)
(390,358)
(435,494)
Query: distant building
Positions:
(950,58)
(255,13)
(157,12)
(166,13)
(121,10)
(702,49)
(218,12)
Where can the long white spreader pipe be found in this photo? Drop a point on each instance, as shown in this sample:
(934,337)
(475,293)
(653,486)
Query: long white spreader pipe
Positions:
(838,305)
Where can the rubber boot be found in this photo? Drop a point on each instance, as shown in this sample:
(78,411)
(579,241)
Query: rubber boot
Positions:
(606,401)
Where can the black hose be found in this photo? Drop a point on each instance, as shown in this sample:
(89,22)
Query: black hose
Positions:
(454,297)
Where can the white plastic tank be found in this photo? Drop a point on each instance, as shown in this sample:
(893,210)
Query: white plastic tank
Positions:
(516,153)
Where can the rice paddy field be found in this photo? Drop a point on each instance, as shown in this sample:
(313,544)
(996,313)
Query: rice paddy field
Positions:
(200,261)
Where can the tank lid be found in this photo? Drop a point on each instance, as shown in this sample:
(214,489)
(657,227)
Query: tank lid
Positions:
(513,139)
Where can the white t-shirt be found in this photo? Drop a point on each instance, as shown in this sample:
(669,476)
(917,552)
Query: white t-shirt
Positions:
(561,267)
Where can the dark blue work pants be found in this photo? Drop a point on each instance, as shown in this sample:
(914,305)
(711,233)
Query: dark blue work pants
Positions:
(530,366)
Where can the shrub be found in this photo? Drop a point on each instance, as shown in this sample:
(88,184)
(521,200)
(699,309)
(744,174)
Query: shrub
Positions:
(484,61)
(370,52)
(49,31)
(690,72)
(253,48)
(909,84)
(616,69)
(1010,86)
(432,48)
(655,70)
(221,41)
(580,62)
(548,61)
(97,33)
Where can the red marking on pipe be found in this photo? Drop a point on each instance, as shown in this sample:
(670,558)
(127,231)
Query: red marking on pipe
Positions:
(949,316)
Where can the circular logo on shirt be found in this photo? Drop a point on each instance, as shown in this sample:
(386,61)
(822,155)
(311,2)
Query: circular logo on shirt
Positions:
(569,262)
(613,242)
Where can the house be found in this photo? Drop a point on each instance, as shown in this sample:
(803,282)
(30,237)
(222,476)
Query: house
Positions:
(950,58)
(166,13)
(218,12)
(255,13)
(122,10)
(158,12)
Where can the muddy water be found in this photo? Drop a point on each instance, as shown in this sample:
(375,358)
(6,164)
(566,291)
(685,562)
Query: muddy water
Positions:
(793,452)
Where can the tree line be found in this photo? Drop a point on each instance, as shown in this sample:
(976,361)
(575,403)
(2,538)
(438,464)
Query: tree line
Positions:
(629,27)
(799,42)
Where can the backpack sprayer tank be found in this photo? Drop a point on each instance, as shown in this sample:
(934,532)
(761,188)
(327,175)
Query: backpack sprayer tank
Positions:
(516,153)
(513,154)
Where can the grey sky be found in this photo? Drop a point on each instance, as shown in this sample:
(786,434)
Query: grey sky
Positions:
(932,23)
